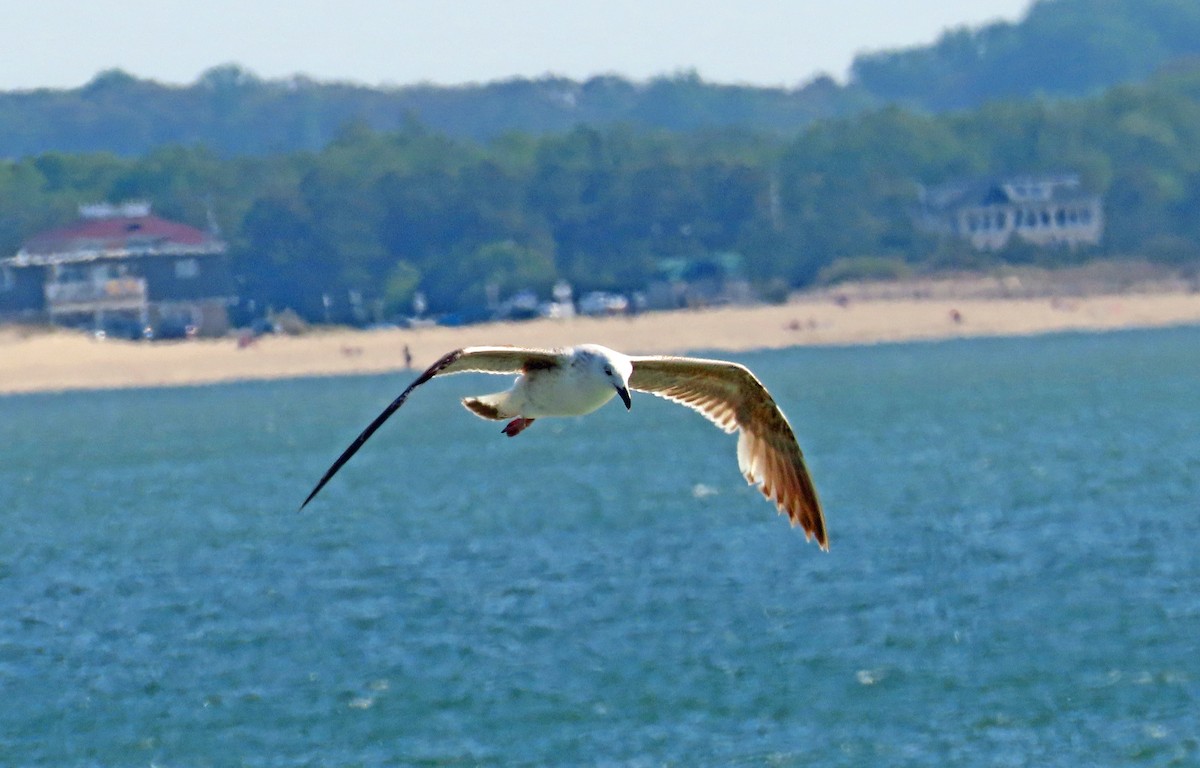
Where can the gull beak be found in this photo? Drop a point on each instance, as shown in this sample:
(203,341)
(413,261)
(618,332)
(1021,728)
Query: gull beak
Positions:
(624,393)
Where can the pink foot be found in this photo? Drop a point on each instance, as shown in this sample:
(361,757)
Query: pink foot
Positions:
(516,426)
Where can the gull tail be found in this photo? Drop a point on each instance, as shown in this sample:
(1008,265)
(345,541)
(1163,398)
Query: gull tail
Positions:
(489,406)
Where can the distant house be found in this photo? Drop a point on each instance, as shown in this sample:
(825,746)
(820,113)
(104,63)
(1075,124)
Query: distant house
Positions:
(1041,210)
(120,268)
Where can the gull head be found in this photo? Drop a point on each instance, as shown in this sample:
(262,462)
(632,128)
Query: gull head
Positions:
(609,365)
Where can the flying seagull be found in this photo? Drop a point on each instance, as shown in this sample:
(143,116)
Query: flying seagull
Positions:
(578,380)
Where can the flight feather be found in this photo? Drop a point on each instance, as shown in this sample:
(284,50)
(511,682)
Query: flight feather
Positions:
(730,396)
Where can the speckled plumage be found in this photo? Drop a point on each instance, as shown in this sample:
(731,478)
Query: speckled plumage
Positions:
(578,380)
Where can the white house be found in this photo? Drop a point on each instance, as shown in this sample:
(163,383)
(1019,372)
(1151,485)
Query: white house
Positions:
(1050,210)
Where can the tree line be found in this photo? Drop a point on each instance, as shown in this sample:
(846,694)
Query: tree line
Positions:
(1060,48)
(375,216)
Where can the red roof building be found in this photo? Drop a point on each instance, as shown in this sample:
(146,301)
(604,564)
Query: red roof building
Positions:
(105,230)
(121,267)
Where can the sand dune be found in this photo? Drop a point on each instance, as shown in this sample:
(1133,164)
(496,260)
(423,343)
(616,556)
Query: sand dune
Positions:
(37,360)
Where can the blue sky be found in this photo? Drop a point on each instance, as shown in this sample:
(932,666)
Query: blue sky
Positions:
(63,43)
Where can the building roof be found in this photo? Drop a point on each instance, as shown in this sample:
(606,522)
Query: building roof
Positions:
(113,232)
(1062,187)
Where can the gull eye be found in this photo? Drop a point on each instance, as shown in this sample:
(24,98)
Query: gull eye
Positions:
(608,370)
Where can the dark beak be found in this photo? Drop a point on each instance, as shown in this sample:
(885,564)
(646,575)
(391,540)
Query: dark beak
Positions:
(624,393)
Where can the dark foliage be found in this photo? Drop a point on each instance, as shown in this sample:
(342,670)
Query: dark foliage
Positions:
(606,181)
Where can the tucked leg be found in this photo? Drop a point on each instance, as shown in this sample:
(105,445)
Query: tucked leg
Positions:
(516,426)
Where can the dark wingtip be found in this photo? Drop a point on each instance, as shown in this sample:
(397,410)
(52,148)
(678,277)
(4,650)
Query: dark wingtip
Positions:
(378,422)
(310,496)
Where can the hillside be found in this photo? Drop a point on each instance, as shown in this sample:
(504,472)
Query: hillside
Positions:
(1060,48)
(352,231)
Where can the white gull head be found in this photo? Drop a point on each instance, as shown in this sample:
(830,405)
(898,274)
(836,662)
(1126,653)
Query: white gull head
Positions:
(604,369)
(578,380)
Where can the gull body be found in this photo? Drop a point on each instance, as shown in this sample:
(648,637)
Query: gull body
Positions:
(582,379)
(578,380)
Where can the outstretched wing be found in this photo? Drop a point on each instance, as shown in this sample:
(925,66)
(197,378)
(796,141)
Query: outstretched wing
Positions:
(477,359)
(730,396)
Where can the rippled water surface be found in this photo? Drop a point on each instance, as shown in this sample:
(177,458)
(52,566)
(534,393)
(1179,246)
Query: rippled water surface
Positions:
(1014,576)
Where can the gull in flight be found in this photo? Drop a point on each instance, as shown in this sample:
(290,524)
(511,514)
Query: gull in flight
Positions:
(578,380)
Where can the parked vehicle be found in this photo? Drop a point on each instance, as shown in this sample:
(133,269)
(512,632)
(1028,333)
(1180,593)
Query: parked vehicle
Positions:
(601,303)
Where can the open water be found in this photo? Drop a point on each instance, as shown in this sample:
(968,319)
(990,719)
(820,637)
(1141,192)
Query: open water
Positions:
(1014,576)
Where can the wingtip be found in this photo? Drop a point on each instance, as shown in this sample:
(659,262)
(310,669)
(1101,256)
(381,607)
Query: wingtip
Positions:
(309,498)
(814,527)
(822,538)
(818,536)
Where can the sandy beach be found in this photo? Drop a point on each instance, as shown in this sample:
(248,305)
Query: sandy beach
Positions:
(38,360)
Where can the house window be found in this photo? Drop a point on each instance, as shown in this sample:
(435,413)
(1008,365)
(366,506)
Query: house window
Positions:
(186,269)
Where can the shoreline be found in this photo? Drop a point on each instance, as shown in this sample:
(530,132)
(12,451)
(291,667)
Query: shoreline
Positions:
(48,360)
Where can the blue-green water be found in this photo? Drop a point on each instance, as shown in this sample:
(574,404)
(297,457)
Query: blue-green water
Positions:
(1014,576)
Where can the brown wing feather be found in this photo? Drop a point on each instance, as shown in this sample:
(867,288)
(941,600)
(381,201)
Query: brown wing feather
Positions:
(731,397)
(492,360)
(467,359)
